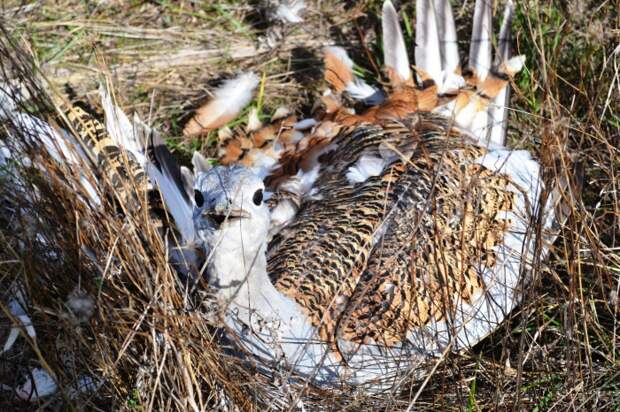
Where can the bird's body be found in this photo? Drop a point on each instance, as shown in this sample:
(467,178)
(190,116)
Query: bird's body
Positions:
(390,236)
(407,244)
(409,234)
(424,255)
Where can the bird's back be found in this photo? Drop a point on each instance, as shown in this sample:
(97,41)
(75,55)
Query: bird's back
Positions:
(379,261)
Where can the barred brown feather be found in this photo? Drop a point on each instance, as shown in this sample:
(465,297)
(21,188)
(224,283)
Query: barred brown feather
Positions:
(370,262)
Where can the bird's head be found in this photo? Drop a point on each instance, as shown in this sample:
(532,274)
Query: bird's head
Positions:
(230,211)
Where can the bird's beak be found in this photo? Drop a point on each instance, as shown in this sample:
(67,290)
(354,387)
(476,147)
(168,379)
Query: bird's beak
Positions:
(218,217)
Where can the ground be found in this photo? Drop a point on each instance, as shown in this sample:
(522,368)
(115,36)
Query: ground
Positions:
(560,350)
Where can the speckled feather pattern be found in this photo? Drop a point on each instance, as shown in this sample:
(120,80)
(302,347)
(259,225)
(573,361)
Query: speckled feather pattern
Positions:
(370,262)
(118,166)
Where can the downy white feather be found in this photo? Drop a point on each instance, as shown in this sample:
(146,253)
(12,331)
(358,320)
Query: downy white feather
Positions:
(365,167)
(289,11)
(254,122)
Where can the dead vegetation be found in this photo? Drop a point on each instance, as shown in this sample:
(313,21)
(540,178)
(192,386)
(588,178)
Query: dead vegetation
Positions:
(147,340)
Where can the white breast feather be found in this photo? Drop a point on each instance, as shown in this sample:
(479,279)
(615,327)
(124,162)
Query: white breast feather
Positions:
(365,167)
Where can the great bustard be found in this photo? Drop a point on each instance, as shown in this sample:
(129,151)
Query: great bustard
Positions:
(357,249)
(406,227)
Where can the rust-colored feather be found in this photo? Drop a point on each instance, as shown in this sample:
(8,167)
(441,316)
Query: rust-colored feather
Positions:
(337,73)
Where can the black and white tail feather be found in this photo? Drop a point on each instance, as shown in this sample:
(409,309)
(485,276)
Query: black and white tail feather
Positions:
(436,54)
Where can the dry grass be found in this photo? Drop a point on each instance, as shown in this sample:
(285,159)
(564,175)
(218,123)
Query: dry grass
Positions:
(560,350)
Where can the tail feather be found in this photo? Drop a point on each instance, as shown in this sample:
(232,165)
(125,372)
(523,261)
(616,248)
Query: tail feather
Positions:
(394,50)
(498,111)
(480,47)
(427,48)
(448,39)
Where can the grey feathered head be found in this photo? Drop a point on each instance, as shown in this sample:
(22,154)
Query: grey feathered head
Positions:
(230,198)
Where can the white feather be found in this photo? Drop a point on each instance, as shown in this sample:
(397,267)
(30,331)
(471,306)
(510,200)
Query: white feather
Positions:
(200,163)
(447,36)
(305,124)
(254,123)
(280,113)
(515,64)
(172,194)
(235,94)
(263,164)
(362,91)
(302,183)
(288,11)
(358,89)
(38,384)
(394,50)
(480,47)
(450,82)
(176,204)
(281,215)
(365,167)
(498,116)
(479,125)
(120,128)
(17,308)
(498,110)
(428,49)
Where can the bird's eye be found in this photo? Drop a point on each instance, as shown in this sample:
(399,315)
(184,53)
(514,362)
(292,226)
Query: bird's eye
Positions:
(258,197)
(198,198)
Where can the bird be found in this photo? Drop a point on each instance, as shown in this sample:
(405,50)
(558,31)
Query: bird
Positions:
(354,247)
(407,231)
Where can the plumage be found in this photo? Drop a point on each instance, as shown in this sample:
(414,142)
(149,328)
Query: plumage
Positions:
(480,48)
(227,102)
(418,252)
(121,168)
(339,74)
(428,46)
(394,50)
(358,246)
(399,236)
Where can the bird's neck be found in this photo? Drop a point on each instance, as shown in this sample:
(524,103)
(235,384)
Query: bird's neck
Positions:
(240,274)
(277,324)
